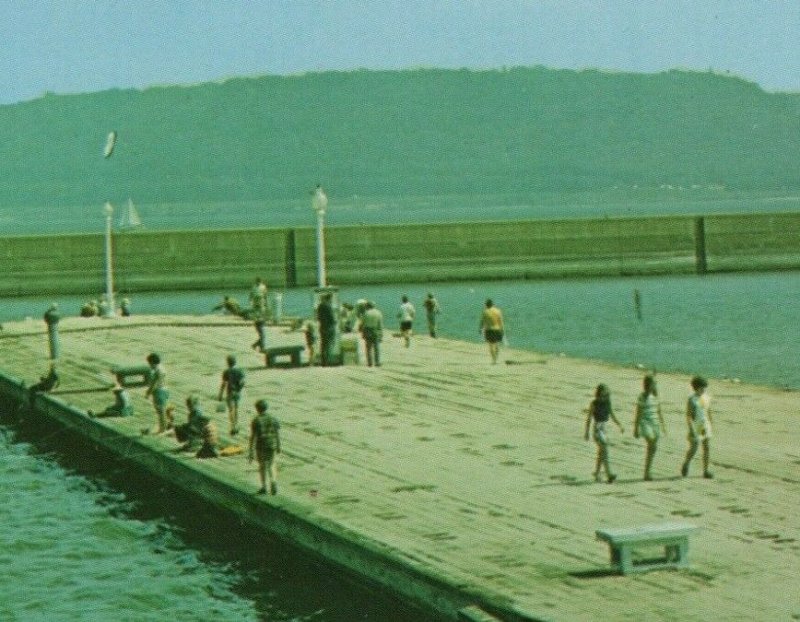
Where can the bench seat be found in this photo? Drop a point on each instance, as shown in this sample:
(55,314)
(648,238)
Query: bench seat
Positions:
(674,537)
(293,352)
(131,376)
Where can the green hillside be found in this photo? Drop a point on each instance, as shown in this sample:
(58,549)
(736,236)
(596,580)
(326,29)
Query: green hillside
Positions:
(401,133)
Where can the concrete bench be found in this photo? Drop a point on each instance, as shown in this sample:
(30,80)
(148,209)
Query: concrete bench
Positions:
(674,537)
(293,352)
(135,376)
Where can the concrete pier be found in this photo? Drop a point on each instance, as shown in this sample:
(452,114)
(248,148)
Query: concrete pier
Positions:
(464,487)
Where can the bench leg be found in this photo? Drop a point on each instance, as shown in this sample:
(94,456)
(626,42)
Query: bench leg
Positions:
(678,552)
(621,559)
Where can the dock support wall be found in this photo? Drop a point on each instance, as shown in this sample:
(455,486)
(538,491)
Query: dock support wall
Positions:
(291,258)
(288,521)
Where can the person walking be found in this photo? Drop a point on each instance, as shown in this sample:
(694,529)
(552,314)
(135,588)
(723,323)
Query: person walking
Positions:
(265,445)
(157,388)
(406,315)
(431,312)
(493,328)
(372,332)
(649,422)
(698,419)
(600,412)
(231,387)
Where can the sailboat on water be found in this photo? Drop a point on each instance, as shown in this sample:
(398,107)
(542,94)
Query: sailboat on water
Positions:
(129,218)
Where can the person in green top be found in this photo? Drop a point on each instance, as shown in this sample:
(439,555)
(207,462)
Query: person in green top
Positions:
(265,445)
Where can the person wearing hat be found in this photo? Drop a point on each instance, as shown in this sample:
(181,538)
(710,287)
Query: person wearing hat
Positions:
(265,445)
(698,418)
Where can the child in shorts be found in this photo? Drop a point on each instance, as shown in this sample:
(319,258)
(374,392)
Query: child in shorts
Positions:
(698,419)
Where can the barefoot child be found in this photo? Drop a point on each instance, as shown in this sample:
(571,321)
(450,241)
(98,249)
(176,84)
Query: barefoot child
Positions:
(600,412)
(698,418)
(649,422)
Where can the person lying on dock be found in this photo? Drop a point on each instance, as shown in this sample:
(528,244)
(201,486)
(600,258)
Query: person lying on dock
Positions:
(229,306)
(265,445)
(122,406)
(45,385)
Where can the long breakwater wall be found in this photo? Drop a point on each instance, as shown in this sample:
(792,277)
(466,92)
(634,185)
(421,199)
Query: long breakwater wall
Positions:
(169,260)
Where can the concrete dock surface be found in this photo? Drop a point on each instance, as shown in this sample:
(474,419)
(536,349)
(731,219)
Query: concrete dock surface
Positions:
(478,474)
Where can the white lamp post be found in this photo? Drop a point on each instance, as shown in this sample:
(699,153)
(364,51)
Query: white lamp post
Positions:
(319,202)
(108,210)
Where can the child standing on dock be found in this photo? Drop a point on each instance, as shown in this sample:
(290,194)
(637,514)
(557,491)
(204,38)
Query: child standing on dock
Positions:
(600,412)
(158,390)
(265,445)
(698,418)
(231,387)
(649,421)
(406,315)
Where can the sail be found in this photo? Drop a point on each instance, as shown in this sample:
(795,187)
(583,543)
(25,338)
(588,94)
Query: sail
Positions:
(129,219)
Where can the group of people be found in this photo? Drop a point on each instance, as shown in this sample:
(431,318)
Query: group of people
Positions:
(649,424)
(93,308)
(199,433)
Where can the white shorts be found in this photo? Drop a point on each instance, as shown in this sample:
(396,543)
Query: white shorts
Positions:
(699,430)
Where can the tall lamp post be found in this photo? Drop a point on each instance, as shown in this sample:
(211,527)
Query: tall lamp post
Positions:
(108,210)
(319,202)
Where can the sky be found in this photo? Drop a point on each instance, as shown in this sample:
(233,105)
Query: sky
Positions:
(73,46)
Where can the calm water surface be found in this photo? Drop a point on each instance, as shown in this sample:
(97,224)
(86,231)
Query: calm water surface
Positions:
(75,547)
(737,326)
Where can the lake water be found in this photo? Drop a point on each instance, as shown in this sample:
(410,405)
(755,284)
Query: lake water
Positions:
(100,545)
(736,326)
(77,548)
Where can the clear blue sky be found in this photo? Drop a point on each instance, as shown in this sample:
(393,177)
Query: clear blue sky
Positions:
(68,46)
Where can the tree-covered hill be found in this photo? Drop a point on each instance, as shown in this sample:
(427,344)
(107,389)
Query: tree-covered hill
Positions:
(401,133)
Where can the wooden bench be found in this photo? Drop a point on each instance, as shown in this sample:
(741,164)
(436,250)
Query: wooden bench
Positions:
(674,537)
(293,352)
(135,376)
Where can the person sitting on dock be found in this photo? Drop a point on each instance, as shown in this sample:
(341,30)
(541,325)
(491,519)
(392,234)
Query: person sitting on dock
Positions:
(158,390)
(122,406)
(600,412)
(90,309)
(45,385)
(265,445)
(646,423)
(199,432)
(232,386)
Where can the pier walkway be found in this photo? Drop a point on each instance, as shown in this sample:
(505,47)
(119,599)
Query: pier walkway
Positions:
(469,478)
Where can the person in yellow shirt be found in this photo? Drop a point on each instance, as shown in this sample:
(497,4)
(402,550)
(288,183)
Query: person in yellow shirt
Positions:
(492,328)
